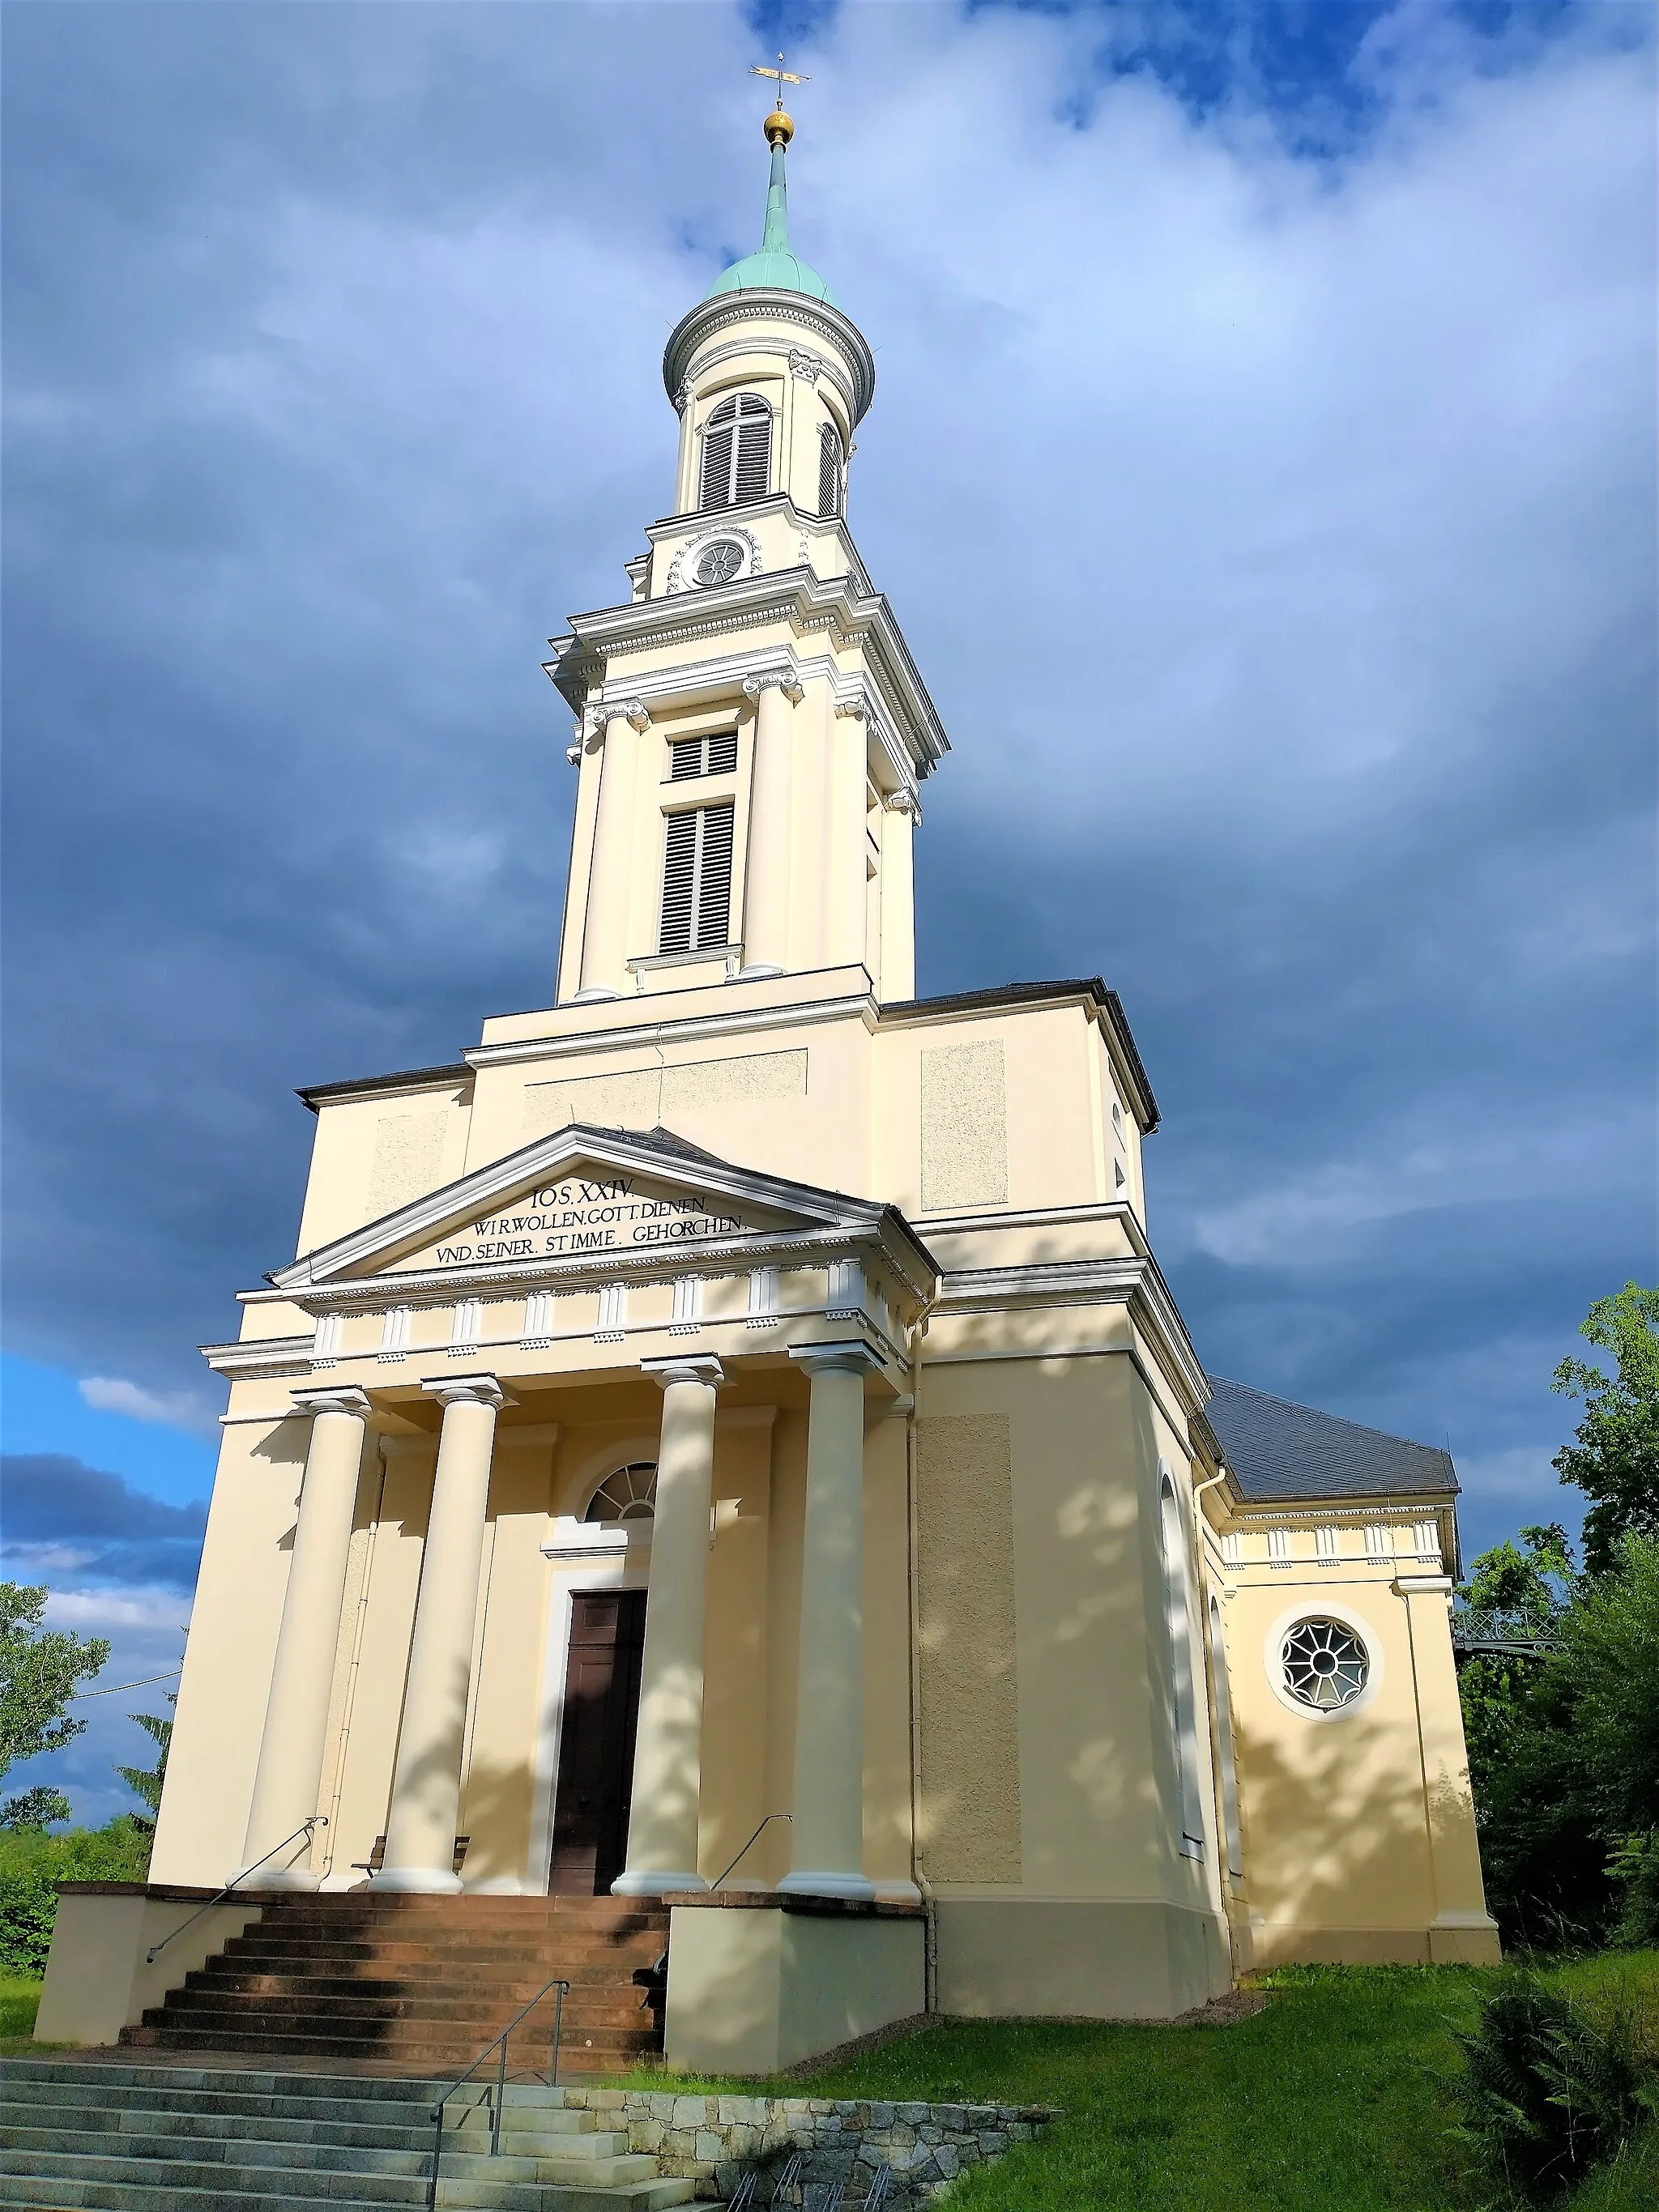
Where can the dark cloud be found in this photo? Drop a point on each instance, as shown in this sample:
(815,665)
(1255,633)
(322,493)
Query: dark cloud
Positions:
(61,1520)
(1269,504)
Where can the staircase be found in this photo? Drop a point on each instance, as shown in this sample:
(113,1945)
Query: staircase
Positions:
(160,2138)
(422,1983)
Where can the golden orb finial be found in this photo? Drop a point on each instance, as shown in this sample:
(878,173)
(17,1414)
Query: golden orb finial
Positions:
(779,127)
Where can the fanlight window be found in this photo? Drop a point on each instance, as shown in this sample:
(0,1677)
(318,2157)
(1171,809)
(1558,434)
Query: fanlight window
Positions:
(630,1494)
(1325,1664)
(737,451)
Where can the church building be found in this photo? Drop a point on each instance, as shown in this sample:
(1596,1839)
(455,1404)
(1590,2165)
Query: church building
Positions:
(724,1468)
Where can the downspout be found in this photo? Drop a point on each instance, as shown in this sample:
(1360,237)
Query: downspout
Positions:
(930,1954)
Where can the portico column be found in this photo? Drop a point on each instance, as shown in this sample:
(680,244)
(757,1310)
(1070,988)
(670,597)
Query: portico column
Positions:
(662,1818)
(289,1777)
(425,1789)
(766,894)
(827,1859)
(610,876)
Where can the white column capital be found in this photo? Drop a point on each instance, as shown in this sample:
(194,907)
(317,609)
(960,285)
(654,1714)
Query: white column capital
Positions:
(469,1390)
(704,1368)
(846,1358)
(778,679)
(332,1401)
(635,712)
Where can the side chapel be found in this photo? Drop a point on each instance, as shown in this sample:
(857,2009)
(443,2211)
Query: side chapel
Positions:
(725,1452)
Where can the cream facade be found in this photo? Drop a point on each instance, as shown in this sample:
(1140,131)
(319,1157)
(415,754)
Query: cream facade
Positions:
(728,1431)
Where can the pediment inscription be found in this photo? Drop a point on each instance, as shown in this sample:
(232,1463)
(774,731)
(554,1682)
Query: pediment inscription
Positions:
(583,1213)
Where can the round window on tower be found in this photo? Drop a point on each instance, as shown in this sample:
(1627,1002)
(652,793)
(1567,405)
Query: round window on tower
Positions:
(720,563)
(1325,1665)
(630,1494)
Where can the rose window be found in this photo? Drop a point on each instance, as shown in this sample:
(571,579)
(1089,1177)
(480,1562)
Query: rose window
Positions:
(1325,1664)
(720,563)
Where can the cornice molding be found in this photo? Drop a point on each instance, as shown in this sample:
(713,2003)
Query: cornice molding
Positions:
(683,353)
(684,1029)
(1133,1283)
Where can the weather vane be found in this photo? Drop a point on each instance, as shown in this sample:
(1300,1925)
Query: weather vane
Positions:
(780,75)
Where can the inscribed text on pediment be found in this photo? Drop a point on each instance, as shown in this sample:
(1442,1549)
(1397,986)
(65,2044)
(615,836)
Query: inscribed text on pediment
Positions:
(583,1213)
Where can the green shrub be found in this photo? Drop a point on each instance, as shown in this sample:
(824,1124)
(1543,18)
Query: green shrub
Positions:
(32,1864)
(1551,2087)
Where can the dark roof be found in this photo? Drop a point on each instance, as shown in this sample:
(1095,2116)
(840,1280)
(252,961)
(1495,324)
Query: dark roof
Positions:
(1277,1450)
(1092,988)
(405,1080)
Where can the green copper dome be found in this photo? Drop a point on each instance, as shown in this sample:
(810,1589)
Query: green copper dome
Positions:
(774,268)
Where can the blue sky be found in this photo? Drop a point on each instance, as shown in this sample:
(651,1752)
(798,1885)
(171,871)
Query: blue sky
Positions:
(1261,467)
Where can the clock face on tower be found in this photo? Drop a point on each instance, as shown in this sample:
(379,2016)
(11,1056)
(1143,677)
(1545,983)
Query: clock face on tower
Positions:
(720,563)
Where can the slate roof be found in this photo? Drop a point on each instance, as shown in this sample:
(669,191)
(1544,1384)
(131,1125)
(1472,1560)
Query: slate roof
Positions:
(1279,1451)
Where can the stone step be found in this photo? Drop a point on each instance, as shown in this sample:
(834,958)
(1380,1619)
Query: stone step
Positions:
(595,2051)
(491,2008)
(45,2193)
(324,1975)
(120,2131)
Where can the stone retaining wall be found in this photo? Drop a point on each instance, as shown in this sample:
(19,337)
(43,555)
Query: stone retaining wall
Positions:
(711,2140)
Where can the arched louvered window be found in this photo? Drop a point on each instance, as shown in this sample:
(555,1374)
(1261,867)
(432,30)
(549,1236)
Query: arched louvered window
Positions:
(630,1494)
(830,470)
(737,451)
(696,879)
(1178,1623)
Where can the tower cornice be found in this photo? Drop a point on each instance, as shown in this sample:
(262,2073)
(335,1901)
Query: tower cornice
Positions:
(728,309)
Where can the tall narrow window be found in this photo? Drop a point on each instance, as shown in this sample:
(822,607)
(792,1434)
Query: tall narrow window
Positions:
(696,879)
(1178,1624)
(829,470)
(737,451)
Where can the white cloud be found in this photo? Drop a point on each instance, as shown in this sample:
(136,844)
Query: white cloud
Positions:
(169,1409)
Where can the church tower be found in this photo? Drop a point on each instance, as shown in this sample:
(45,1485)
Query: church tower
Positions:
(753,731)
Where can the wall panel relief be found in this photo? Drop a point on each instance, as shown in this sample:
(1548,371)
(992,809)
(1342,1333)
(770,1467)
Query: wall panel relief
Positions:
(970,1813)
(965,1127)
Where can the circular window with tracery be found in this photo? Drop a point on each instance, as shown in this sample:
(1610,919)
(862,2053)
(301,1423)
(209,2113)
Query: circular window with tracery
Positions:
(1326,1665)
(630,1494)
(720,563)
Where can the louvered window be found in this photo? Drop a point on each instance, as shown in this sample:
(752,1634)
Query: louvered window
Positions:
(829,470)
(712,756)
(696,881)
(737,451)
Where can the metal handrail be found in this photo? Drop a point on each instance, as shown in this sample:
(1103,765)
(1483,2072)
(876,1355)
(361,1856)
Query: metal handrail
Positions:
(312,1820)
(500,2043)
(720,1878)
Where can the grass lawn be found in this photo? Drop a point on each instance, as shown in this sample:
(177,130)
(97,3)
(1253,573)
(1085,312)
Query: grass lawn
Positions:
(19,2002)
(1337,2098)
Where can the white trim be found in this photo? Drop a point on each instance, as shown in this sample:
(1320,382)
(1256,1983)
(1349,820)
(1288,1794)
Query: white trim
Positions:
(648,1036)
(1319,1607)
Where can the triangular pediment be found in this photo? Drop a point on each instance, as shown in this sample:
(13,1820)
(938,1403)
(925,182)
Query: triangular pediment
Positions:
(582,1193)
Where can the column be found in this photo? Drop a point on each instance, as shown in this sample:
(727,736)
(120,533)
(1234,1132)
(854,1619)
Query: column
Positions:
(897,953)
(289,1777)
(610,877)
(827,1833)
(766,893)
(662,1818)
(426,1788)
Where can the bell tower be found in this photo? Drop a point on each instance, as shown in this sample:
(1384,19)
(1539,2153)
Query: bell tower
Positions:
(752,732)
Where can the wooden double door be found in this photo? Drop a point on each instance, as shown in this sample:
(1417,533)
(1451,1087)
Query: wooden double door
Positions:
(596,1741)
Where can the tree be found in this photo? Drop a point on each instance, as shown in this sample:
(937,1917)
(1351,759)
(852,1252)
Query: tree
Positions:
(35,1809)
(39,1669)
(1614,1458)
(146,1781)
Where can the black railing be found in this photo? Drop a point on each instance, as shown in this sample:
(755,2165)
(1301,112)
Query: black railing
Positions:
(305,1828)
(499,2099)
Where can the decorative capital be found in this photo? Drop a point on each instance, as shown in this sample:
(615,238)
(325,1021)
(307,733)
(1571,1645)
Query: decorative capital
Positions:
(845,1358)
(355,1403)
(809,367)
(469,1390)
(703,1368)
(603,712)
(682,399)
(855,708)
(778,679)
(902,802)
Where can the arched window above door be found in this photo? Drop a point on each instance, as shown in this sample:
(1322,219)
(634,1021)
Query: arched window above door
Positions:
(630,1494)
